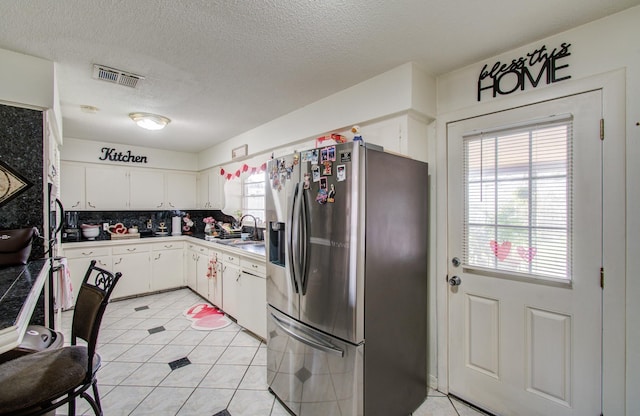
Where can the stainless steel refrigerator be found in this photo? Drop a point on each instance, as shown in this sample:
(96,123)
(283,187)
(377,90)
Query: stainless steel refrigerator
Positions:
(347,281)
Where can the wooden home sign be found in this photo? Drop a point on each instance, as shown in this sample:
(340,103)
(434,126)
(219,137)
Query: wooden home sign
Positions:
(536,66)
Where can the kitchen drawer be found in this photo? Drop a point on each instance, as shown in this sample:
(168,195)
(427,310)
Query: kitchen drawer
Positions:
(253,267)
(227,258)
(131,248)
(178,245)
(76,253)
(199,249)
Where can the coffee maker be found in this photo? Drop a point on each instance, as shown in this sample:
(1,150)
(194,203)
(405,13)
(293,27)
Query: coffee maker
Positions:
(71,232)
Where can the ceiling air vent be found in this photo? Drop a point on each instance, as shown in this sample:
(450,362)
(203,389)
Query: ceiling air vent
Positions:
(116,76)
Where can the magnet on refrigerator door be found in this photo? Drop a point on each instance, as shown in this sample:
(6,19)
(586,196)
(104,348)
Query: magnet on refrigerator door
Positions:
(322,196)
(326,169)
(315,171)
(341,173)
(323,183)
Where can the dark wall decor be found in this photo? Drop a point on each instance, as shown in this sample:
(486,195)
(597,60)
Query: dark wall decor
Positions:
(12,183)
(503,79)
(111,153)
(21,149)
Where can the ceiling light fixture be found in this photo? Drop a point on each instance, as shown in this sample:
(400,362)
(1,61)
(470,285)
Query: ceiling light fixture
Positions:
(150,121)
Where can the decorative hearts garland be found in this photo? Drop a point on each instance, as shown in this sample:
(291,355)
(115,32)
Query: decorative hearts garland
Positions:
(245,168)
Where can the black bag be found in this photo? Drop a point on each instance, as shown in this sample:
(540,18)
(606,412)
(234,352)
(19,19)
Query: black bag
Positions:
(15,245)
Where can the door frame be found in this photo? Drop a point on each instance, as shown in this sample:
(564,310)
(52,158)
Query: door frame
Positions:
(612,85)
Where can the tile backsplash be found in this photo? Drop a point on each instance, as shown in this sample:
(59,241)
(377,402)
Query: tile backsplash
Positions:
(141,219)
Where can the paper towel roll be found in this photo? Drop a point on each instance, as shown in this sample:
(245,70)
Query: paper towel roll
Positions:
(176,226)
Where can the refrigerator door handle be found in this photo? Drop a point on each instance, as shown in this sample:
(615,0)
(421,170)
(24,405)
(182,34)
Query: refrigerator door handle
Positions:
(304,243)
(292,240)
(286,327)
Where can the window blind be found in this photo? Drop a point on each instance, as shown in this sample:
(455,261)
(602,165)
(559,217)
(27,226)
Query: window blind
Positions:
(518,199)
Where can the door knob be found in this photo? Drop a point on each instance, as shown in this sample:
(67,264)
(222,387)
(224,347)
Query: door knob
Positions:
(454,281)
(455,261)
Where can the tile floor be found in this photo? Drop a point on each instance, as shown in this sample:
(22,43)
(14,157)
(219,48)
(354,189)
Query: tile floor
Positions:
(227,370)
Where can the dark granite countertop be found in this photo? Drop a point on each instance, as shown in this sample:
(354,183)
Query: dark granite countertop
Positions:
(20,287)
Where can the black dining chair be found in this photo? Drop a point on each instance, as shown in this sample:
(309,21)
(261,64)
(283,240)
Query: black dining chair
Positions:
(38,383)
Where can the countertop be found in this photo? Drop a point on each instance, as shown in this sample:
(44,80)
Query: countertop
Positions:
(256,250)
(20,288)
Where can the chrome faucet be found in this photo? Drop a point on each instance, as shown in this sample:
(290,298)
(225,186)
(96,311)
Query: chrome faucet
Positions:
(254,235)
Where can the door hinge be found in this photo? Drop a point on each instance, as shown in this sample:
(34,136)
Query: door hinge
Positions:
(602,277)
(601,129)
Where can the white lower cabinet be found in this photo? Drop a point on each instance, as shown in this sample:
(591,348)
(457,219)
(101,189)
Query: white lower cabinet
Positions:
(198,263)
(78,260)
(133,262)
(238,288)
(244,289)
(167,266)
(215,283)
(192,265)
(230,276)
(252,299)
(202,285)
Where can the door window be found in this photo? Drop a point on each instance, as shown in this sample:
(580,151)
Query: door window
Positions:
(518,199)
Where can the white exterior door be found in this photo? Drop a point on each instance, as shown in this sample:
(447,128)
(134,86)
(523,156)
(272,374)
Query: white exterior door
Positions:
(525,251)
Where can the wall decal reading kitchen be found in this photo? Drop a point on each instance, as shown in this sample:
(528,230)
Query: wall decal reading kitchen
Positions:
(110,153)
(505,78)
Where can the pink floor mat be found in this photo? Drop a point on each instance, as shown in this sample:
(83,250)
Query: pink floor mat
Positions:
(205,317)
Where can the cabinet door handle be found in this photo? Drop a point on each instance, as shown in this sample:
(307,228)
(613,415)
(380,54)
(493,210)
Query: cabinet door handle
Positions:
(159,254)
(171,205)
(75,205)
(87,254)
(102,264)
(238,278)
(254,266)
(131,249)
(168,245)
(90,204)
(119,261)
(161,203)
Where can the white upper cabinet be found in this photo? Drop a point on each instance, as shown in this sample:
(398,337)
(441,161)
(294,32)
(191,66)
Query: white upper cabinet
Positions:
(210,190)
(107,188)
(155,190)
(146,189)
(72,186)
(180,190)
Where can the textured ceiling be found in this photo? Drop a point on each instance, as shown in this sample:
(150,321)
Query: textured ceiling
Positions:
(219,68)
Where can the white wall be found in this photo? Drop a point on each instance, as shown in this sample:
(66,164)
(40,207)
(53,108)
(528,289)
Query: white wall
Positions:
(604,54)
(26,80)
(90,151)
(400,90)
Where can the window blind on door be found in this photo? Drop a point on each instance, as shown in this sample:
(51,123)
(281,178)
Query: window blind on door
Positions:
(518,199)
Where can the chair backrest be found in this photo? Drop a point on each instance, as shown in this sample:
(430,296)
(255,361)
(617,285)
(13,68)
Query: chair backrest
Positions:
(91,303)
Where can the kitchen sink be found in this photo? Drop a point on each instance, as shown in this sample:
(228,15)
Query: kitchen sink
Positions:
(256,247)
(238,242)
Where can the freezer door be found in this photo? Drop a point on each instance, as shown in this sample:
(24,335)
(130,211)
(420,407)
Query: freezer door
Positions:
(331,298)
(283,177)
(312,373)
